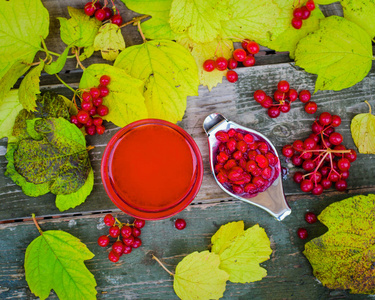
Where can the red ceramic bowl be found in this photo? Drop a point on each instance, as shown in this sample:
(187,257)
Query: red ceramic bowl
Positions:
(152,169)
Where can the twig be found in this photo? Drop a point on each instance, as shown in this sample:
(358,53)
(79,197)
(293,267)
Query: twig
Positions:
(137,19)
(36,224)
(78,61)
(160,263)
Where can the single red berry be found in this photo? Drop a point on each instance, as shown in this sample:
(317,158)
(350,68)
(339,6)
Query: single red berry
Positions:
(92,111)
(108,13)
(128,241)
(139,223)
(259,96)
(310,218)
(352,156)
(317,190)
(298,145)
(249,61)
(297,23)
(97,121)
(104,91)
(137,243)
(221,63)
(279,96)
(267,103)
(97,101)
(309,144)
(310,5)
(297,13)
(100,14)
(325,118)
(97,5)
(305,13)
(127,249)
(308,165)
(336,121)
(83,116)
(343,164)
(292,95)
(113,256)
(109,220)
(317,127)
(311,107)
(100,129)
(136,232)
(273,112)
(287,151)
(222,136)
(95,93)
(252,47)
(114,231)
(89,122)
(326,183)
(306,185)
(126,231)
(118,247)
(104,80)
(341,185)
(283,86)
(74,120)
(244,43)
(89,9)
(102,110)
(298,177)
(90,130)
(239,54)
(86,96)
(117,20)
(232,76)
(285,107)
(297,160)
(302,233)
(180,224)
(232,63)
(209,65)
(103,241)
(304,96)
(86,105)
(335,138)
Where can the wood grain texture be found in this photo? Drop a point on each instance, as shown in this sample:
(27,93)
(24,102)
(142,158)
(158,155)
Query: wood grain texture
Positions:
(137,276)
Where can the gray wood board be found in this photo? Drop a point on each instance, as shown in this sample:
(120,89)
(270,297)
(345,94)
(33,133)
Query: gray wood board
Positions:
(235,101)
(137,276)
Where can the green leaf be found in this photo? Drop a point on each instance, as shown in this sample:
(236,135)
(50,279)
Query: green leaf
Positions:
(9,110)
(251,19)
(325,2)
(343,257)
(88,52)
(56,66)
(28,188)
(170,75)
(61,158)
(199,19)
(55,260)
(109,41)
(198,277)
(284,36)
(223,238)
(29,87)
(80,30)
(363,132)
(158,26)
(241,259)
(125,100)
(332,51)
(361,12)
(64,202)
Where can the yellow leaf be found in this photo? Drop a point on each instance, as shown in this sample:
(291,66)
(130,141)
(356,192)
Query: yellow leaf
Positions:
(9,110)
(363,132)
(222,239)
(109,41)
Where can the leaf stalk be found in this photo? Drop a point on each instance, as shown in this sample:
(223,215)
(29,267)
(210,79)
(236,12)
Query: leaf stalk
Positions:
(161,264)
(36,224)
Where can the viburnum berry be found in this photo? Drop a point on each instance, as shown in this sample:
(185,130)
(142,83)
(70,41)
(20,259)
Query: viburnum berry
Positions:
(252,47)
(232,76)
(103,241)
(292,95)
(104,80)
(108,13)
(100,129)
(102,110)
(259,96)
(304,96)
(283,86)
(100,14)
(221,63)
(298,177)
(310,5)
(136,232)
(180,224)
(127,249)
(83,116)
(113,256)
(273,112)
(302,233)
(103,90)
(305,13)
(74,120)
(109,220)
(249,61)
(89,9)
(239,54)
(95,92)
(117,20)
(114,231)
(97,101)
(336,121)
(86,96)
(244,43)
(297,23)
(128,240)
(335,138)
(267,103)
(311,107)
(86,105)
(97,121)
(92,111)
(126,231)
(232,63)
(118,247)
(209,65)
(288,151)
(325,118)
(137,243)
(90,130)
(297,13)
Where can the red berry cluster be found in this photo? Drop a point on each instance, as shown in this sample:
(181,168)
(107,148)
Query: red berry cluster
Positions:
(126,235)
(302,13)
(322,156)
(245,164)
(105,13)
(309,218)
(284,96)
(244,55)
(91,105)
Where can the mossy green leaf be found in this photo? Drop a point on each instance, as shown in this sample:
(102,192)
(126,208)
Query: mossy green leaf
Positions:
(223,238)
(198,277)
(56,66)
(109,41)
(242,258)
(361,12)
(55,260)
(9,110)
(158,26)
(30,128)
(170,75)
(343,257)
(29,87)
(80,30)
(363,132)
(64,202)
(125,101)
(332,51)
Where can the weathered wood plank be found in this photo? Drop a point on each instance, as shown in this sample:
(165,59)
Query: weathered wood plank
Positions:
(236,103)
(137,276)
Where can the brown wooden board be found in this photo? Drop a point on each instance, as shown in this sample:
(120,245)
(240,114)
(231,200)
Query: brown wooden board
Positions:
(137,276)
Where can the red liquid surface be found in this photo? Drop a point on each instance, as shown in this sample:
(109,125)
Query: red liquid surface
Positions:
(152,167)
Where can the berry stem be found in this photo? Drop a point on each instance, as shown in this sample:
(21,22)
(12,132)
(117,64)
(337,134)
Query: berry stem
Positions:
(161,264)
(368,106)
(64,83)
(36,224)
(134,20)
(78,61)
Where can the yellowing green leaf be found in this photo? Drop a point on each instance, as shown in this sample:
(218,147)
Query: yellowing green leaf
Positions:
(29,87)
(325,2)
(203,51)
(223,238)
(55,260)
(251,19)
(87,52)
(56,66)
(361,12)
(109,41)
(64,202)
(242,258)
(158,26)
(198,277)
(284,36)
(125,101)
(343,257)
(170,75)
(332,51)
(9,110)
(363,132)
(80,30)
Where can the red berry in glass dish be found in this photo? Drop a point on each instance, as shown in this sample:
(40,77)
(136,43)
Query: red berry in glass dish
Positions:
(304,96)
(109,220)
(89,9)
(83,116)
(209,65)
(335,138)
(297,23)
(283,86)
(117,20)
(104,91)
(108,13)
(288,151)
(100,14)
(103,241)
(252,47)
(249,61)
(311,107)
(267,103)
(118,247)
(232,76)
(102,110)
(302,233)
(221,63)
(114,231)
(259,96)
(222,136)
(180,224)
(104,80)
(273,112)
(239,54)
(310,5)
(113,256)
(232,63)
(305,13)
(97,101)
(126,231)
(100,129)
(136,232)
(137,243)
